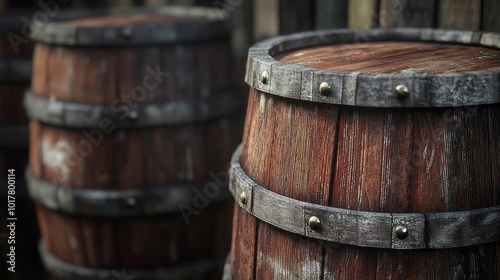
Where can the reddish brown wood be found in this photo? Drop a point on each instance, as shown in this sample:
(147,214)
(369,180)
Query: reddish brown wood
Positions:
(395,57)
(139,158)
(411,160)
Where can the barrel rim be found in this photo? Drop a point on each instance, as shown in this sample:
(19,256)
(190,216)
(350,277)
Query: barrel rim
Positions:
(266,74)
(210,23)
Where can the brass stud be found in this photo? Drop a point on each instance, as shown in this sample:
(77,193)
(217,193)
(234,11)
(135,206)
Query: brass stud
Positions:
(402,92)
(264,77)
(131,202)
(243,198)
(401,232)
(325,89)
(132,115)
(314,223)
(127,32)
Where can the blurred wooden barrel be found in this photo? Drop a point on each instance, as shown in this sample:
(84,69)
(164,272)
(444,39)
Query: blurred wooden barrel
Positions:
(370,155)
(133,122)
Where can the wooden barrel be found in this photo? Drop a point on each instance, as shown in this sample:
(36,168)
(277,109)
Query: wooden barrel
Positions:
(370,155)
(132,128)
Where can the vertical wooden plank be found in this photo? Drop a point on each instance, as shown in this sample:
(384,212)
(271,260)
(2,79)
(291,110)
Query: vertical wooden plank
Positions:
(490,16)
(407,13)
(295,16)
(363,14)
(266,23)
(330,14)
(156,3)
(464,14)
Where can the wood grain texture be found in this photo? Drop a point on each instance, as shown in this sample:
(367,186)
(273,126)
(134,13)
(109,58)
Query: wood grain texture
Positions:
(395,57)
(400,160)
(464,15)
(134,159)
(407,13)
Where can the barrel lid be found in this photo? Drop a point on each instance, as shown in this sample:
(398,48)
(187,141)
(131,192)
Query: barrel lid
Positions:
(131,26)
(318,66)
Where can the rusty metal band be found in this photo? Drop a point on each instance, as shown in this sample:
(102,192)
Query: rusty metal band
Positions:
(361,228)
(15,70)
(196,24)
(121,203)
(79,115)
(63,270)
(265,73)
(14,136)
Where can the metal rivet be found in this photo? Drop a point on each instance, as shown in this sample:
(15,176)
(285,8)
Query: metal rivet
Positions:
(402,92)
(243,198)
(263,77)
(401,232)
(131,202)
(325,89)
(127,32)
(314,223)
(132,115)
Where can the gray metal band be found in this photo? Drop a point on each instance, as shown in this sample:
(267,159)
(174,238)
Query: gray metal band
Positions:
(79,115)
(266,74)
(361,228)
(202,24)
(196,270)
(117,203)
(227,269)
(15,70)
(14,136)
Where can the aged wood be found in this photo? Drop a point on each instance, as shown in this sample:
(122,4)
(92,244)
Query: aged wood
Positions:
(108,160)
(424,159)
(77,115)
(375,229)
(407,13)
(464,14)
(377,89)
(119,26)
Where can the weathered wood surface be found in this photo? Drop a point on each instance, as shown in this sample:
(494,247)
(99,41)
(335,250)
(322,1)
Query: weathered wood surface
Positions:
(364,88)
(407,13)
(395,57)
(108,158)
(464,14)
(412,160)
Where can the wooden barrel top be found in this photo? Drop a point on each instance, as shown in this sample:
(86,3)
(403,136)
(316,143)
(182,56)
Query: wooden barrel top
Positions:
(395,57)
(132,26)
(433,68)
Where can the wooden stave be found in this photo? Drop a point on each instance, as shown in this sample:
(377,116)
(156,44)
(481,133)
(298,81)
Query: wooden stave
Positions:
(207,129)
